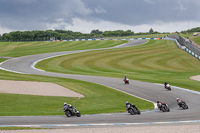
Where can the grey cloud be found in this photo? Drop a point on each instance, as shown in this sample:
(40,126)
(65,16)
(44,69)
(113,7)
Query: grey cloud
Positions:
(35,14)
(99,10)
(134,12)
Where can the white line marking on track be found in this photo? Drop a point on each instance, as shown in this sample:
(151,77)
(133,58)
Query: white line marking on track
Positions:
(100,124)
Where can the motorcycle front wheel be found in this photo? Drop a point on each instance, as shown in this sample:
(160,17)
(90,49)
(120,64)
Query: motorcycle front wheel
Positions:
(131,111)
(138,112)
(79,114)
(68,114)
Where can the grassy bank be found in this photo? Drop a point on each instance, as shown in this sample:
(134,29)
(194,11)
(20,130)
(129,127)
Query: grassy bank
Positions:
(196,40)
(156,61)
(16,49)
(187,35)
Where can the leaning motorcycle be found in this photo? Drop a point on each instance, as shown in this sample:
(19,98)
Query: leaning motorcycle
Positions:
(183,105)
(168,87)
(72,111)
(132,110)
(165,108)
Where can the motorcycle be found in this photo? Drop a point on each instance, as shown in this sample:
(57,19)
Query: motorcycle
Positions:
(165,108)
(126,81)
(168,87)
(71,111)
(133,110)
(183,105)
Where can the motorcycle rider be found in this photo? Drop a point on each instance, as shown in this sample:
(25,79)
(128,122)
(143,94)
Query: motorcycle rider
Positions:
(125,78)
(159,104)
(166,84)
(130,105)
(66,106)
(179,102)
(71,110)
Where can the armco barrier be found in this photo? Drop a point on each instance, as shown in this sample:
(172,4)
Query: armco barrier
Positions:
(112,39)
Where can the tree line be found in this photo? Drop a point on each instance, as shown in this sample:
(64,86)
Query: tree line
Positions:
(38,35)
(197,29)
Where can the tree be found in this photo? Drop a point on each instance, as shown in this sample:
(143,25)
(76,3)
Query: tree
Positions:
(151,30)
(96,32)
(6,37)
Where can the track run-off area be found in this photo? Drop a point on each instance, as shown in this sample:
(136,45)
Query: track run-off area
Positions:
(148,91)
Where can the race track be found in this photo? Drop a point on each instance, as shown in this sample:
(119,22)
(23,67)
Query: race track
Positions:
(148,91)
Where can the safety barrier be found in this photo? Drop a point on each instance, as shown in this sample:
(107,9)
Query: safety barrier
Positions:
(108,39)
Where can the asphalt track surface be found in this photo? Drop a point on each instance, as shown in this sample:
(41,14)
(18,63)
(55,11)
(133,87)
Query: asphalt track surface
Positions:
(149,91)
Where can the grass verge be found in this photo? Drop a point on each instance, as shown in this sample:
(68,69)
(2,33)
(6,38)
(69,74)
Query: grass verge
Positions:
(16,49)
(196,40)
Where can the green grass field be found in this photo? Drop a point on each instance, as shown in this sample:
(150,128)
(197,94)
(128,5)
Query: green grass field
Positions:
(187,35)
(98,98)
(196,39)
(157,61)
(16,49)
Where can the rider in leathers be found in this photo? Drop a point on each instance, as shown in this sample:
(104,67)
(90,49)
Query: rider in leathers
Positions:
(166,84)
(179,101)
(66,106)
(159,104)
(131,105)
(125,78)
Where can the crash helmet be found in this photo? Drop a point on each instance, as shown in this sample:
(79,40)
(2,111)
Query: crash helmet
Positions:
(177,99)
(65,104)
(158,101)
(126,102)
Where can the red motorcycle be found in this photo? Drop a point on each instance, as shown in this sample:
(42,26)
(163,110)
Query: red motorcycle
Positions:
(126,81)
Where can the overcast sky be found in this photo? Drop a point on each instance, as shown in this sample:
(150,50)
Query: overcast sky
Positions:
(87,15)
